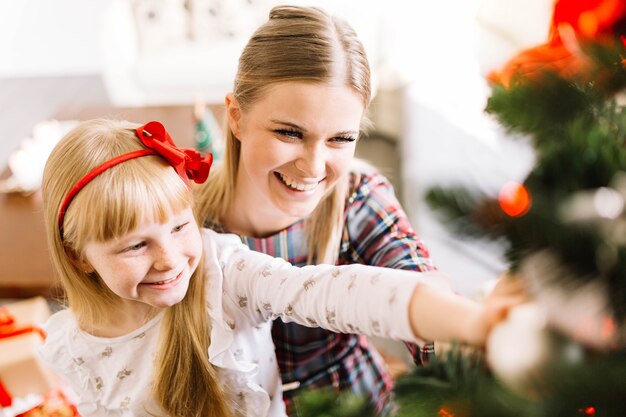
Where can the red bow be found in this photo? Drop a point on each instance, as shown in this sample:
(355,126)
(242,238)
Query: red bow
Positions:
(8,327)
(187,162)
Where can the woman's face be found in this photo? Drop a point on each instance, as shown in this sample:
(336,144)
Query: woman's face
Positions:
(296,142)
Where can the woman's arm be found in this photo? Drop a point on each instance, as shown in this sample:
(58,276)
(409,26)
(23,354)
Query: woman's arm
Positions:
(377,228)
(377,232)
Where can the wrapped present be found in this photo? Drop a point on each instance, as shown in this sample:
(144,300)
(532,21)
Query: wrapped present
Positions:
(21,371)
(54,404)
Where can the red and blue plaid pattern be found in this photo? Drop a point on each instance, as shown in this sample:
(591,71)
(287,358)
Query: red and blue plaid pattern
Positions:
(376,232)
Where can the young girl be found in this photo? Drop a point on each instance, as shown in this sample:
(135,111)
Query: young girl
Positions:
(149,294)
(290,187)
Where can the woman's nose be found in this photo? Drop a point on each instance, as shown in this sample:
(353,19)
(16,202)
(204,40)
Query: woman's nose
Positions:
(312,161)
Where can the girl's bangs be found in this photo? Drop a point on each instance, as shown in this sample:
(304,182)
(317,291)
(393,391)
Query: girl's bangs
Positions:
(140,190)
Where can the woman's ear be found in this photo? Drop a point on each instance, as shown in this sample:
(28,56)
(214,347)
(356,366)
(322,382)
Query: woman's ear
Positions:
(233,114)
(78,261)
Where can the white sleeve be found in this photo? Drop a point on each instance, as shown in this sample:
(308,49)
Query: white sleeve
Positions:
(348,299)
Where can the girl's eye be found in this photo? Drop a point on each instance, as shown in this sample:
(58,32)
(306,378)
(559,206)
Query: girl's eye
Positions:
(344,139)
(134,247)
(290,133)
(179,227)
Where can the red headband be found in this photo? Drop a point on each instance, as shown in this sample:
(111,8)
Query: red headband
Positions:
(188,163)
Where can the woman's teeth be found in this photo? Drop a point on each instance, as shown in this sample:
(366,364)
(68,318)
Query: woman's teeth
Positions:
(294,185)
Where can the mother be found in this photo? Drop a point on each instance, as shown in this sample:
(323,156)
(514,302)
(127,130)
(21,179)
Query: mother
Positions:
(291,187)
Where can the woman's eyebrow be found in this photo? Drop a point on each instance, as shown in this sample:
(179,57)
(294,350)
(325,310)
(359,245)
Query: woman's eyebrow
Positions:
(347,133)
(290,124)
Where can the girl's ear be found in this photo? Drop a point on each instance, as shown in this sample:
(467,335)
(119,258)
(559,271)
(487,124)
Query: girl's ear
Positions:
(233,114)
(78,261)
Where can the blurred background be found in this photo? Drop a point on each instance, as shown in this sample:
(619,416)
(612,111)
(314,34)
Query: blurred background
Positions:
(64,59)
(67,60)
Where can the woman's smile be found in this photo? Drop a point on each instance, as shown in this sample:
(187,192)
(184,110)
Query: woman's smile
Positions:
(296,185)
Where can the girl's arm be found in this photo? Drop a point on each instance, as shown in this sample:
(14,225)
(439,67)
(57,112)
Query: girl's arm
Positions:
(454,317)
(361,299)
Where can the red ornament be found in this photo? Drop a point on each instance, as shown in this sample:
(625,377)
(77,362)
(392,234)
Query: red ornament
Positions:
(588,411)
(573,22)
(514,199)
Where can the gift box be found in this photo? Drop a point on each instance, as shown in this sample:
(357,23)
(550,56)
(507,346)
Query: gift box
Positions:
(54,404)
(21,371)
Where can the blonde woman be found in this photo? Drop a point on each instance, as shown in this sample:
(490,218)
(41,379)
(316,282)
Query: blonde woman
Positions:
(290,186)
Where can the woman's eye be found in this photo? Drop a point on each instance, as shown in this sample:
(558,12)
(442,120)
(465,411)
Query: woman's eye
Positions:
(291,133)
(179,227)
(344,139)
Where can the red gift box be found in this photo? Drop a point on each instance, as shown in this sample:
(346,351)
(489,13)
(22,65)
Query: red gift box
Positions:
(21,371)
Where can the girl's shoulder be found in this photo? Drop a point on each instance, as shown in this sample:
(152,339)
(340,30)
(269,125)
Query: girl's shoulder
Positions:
(59,329)
(103,372)
(67,347)
(218,245)
(60,324)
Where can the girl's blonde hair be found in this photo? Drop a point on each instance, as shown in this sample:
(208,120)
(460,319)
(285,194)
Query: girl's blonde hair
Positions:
(114,203)
(302,44)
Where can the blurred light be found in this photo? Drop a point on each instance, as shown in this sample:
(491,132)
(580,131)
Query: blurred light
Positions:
(514,199)
(608,203)
(589,411)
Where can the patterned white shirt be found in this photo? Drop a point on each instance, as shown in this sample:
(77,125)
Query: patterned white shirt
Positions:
(246,291)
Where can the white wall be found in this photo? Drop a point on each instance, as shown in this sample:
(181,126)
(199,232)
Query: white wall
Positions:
(447,139)
(50,37)
(61,37)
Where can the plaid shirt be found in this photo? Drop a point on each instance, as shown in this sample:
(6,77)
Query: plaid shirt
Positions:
(376,232)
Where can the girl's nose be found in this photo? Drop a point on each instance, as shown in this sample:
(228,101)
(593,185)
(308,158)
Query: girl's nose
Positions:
(312,162)
(164,257)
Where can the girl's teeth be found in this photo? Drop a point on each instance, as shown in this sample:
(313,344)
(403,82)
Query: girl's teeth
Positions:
(297,186)
(163,282)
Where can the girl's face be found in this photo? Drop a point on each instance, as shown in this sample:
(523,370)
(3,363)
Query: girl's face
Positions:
(296,142)
(151,265)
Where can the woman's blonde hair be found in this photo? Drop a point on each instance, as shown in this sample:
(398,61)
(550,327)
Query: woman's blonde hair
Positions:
(114,203)
(302,44)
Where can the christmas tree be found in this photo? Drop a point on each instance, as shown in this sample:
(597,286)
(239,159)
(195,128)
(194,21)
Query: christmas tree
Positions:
(564,228)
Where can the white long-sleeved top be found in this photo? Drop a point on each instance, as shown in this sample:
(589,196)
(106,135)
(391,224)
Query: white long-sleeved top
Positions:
(246,291)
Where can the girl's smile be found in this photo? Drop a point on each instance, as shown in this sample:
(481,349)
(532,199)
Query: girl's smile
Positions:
(165,284)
